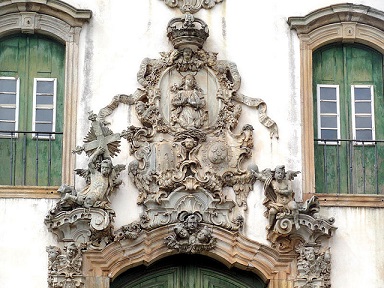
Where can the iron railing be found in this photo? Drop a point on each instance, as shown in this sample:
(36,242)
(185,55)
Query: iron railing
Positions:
(30,158)
(347,166)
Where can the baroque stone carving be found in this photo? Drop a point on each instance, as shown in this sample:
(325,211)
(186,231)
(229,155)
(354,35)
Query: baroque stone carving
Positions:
(289,222)
(192,6)
(188,150)
(313,266)
(64,267)
(189,236)
(85,216)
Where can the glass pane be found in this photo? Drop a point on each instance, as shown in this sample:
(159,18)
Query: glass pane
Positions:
(328,134)
(7,114)
(44,100)
(44,87)
(362,93)
(327,93)
(363,107)
(7,85)
(8,99)
(45,115)
(329,121)
(7,126)
(363,122)
(364,135)
(43,127)
(328,107)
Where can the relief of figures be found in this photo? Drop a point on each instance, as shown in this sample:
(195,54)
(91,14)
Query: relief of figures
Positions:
(188,104)
(64,268)
(190,236)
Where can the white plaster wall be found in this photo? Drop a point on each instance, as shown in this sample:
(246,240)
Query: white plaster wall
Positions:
(254,35)
(23,239)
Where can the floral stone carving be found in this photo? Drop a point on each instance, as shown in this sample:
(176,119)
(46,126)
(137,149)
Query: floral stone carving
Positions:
(85,216)
(64,267)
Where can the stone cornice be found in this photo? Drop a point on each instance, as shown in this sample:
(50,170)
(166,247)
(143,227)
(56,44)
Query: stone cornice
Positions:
(339,13)
(56,8)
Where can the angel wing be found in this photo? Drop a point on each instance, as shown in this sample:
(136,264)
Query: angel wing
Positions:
(290,175)
(267,176)
(85,173)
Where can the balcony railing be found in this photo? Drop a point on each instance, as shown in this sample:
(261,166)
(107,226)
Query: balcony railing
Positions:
(30,158)
(349,166)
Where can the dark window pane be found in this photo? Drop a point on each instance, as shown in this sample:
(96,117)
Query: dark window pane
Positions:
(327,93)
(45,115)
(44,87)
(8,99)
(363,107)
(363,135)
(7,126)
(362,93)
(328,107)
(329,121)
(7,114)
(7,85)
(363,122)
(329,134)
(44,100)
(43,127)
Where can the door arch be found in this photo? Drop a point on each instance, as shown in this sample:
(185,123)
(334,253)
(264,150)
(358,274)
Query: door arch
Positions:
(193,271)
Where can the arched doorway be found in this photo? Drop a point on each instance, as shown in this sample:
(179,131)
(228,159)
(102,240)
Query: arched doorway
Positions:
(192,271)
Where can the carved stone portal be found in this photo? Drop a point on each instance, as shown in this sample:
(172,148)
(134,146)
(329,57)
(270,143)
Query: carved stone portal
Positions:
(188,164)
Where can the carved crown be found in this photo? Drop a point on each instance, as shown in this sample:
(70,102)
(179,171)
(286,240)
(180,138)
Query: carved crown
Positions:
(187,31)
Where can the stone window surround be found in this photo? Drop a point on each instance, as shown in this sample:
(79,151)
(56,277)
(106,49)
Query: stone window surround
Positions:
(62,22)
(342,23)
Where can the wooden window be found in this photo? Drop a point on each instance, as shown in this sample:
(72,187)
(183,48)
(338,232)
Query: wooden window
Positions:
(328,113)
(9,105)
(44,107)
(363,119)
(32,69)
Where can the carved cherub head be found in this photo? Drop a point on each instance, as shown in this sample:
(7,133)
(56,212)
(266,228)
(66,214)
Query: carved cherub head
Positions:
(53,252)
(280,172)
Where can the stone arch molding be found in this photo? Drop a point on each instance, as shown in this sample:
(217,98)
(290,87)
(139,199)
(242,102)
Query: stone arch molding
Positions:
(62,22)
(343,23)
(232,249)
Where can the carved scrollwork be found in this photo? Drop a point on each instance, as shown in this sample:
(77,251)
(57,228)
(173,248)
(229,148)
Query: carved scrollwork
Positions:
(186,6)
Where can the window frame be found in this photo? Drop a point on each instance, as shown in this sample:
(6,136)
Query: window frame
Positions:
(16,106)
(353,115)
(326,25)
(44,107)
(319,114)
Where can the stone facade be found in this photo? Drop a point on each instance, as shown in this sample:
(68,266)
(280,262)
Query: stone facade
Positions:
(173,165)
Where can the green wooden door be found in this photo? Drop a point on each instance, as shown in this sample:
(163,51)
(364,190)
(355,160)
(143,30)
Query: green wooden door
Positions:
(187,271)
(35,66)
(348,105)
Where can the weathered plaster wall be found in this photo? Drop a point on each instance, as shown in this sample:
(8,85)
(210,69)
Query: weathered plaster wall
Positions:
(254,35)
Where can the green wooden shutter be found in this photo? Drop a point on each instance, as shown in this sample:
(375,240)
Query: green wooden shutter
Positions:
(350,166)
(28,57)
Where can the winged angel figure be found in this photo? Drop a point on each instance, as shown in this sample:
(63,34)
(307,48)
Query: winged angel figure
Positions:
(280,198)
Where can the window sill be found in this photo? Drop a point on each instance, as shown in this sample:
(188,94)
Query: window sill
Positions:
(348,200)
(34,192)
